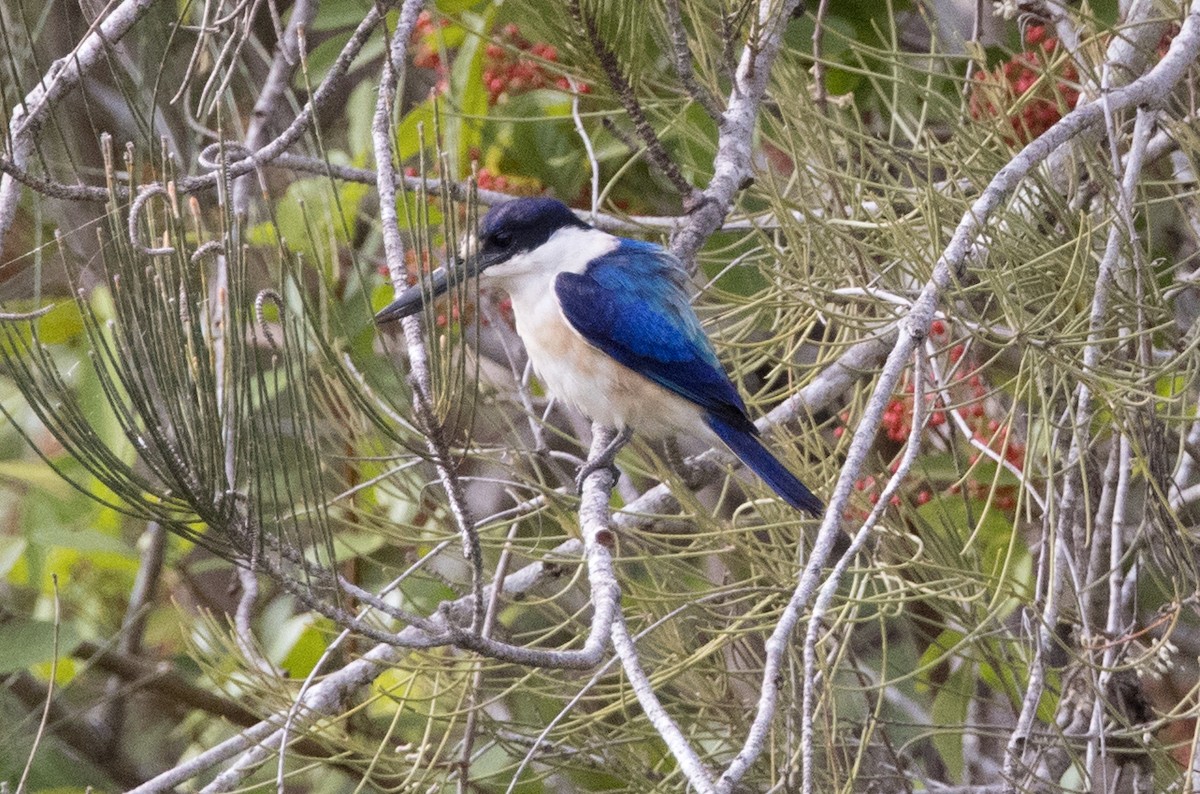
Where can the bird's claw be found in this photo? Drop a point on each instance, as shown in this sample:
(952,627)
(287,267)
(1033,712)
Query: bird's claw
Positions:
(605,460)
(591,467)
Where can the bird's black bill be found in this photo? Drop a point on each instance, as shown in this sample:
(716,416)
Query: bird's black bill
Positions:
(413,299)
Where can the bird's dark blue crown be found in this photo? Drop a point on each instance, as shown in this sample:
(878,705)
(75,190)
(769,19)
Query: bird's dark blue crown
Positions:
(524,224)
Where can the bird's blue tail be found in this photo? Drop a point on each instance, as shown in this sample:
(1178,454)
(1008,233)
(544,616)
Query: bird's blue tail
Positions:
(745,444)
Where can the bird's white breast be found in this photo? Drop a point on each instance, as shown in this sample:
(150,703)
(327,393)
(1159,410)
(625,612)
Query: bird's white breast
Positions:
(572,369)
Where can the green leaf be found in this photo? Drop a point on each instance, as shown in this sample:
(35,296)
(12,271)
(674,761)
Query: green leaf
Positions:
(415,131)
(950,709)
(359,544)
(34,474)
(956,513)
(543,144)
(340,15)
(307,646)
(61,324)
(82,540)
(25,643)
(839,35)
(457,6)
(410,211)
(463,127)
(314,216)
(944,643)
(941,467)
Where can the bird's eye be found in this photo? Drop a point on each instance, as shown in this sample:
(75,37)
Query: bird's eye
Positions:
(502,239)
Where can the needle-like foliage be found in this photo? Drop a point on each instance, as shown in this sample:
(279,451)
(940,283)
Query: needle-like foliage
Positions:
(950,267)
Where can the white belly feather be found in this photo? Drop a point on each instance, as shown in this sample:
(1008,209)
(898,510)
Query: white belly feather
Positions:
(571,369)
(588,379)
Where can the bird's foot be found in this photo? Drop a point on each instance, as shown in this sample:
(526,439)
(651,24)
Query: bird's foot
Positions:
(591,467)
(605,460)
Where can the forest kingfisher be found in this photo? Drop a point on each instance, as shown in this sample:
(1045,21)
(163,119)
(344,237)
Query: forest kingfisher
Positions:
(609,328)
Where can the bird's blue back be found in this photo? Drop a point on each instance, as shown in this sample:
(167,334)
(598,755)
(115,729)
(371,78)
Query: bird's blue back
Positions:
(632,303)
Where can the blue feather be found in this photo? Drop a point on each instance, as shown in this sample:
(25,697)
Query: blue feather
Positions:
(632,304)
(751,452)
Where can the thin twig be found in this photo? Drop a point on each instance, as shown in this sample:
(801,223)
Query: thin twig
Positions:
(732,166)
(590,150)
(394,67)
(489,620)
(272,94)
(1068,538)
(974,41)
(697,774)
(825,597)
(682,56)
(616,79)
(818,67)
(41,730)
(1158,82)
(63,76)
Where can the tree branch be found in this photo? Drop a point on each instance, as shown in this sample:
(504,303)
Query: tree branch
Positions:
(1157,83)
(612,69)
(732,165)
(63,76)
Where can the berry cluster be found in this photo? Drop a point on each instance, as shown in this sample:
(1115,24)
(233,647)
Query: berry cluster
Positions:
(426,50)
(970,394)
(488,179)
(1031,90)
(514,65)
(411,269)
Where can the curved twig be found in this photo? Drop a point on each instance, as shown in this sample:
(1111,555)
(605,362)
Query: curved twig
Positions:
(1158,82)
(144,194)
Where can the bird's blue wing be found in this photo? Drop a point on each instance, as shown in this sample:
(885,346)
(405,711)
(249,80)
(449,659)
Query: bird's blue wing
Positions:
(632,304)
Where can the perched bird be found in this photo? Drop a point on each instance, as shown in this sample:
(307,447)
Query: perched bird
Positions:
(609,329)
